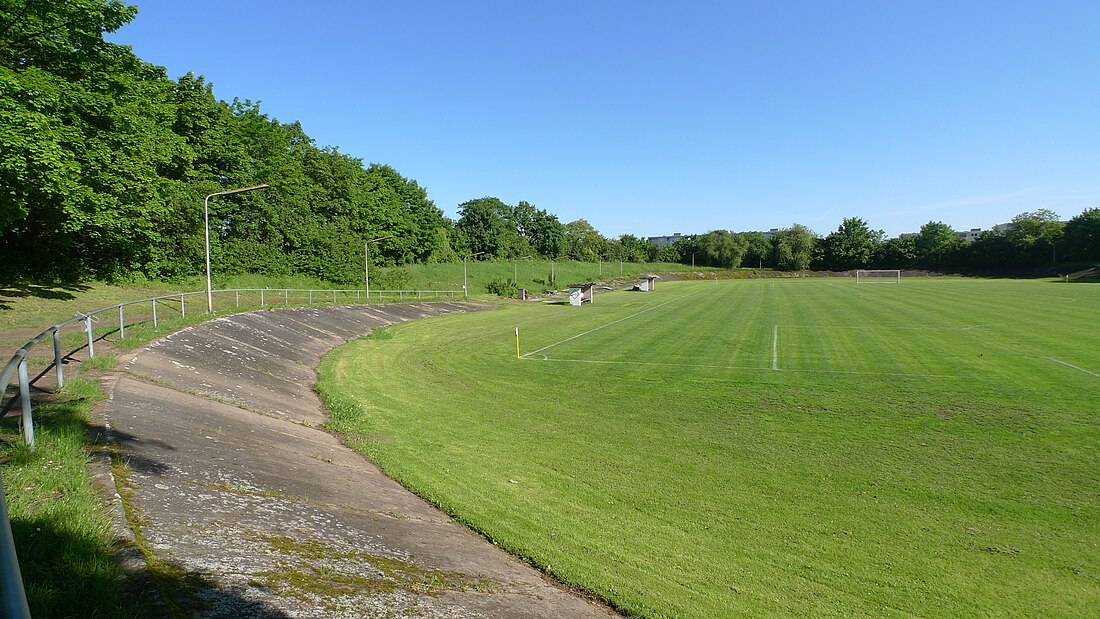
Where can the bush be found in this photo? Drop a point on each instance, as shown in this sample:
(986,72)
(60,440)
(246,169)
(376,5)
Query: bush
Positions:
(502,287)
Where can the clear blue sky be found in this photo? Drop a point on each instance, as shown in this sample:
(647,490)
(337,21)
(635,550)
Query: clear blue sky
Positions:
(652,118)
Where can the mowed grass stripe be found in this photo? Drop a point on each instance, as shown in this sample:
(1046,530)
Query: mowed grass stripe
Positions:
(679,491)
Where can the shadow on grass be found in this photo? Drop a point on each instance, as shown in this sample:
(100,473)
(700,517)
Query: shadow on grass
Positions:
(53,290)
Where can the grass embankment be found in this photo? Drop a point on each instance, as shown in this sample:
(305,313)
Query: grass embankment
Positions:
(63,538)
(927,448)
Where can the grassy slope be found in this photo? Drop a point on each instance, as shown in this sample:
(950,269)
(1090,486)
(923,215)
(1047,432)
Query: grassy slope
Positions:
(919,453)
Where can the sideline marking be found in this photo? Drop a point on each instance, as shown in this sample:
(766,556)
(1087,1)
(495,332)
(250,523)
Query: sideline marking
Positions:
(775,348)
(525,355)
(1074,367)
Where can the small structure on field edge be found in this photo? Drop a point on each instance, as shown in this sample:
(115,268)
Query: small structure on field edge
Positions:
(647,282)
(580,293)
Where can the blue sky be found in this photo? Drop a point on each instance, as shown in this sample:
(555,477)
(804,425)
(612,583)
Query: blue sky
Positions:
(653,118)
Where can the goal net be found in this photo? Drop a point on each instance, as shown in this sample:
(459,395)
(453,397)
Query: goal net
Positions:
(879,276)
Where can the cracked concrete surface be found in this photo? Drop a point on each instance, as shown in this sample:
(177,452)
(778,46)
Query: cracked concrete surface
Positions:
(233,484)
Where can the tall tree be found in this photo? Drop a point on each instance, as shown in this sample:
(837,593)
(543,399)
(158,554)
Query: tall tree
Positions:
(1036,236)
(852,246)
(720,248)
(794,248)
(583,242)
(1082,236)
(936,245)
(484,224)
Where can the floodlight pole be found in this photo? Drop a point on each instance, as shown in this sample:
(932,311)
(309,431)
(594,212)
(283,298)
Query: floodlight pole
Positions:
(465,290)
(206,225)
(366,262)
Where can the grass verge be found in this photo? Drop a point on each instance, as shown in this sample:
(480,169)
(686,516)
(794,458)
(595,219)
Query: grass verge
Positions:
(63,537)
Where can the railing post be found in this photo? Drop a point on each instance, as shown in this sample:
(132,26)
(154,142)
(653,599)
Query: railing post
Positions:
(91,338)
(25,396)
(183,307)
(261,296)
(238,293)
(121,324)
(334,297)
(400,295)
(286,296)
(310,297)
(13,598)
(57,358)
(154,314)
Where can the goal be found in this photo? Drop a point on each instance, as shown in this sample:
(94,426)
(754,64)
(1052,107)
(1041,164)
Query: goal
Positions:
(879,276)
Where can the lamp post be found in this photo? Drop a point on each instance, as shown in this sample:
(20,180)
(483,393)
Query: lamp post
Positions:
(515,264)
(366,262)
(465,290)
(692,262)
(206,225)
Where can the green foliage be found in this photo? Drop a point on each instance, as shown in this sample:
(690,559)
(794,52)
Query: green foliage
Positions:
(583,242)
(502,287)
(1082,236)
(720,248)
(936,244)
(794,248)
(852,246)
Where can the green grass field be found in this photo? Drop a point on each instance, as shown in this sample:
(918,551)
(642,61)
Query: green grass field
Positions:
(733,448)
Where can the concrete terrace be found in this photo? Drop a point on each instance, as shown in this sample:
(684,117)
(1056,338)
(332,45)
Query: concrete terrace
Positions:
(247,507)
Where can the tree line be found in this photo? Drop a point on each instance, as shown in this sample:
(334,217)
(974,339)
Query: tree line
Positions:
(105,162)
(1033,239)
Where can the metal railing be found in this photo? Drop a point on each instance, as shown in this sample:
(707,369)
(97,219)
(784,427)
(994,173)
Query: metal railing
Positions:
(13,602)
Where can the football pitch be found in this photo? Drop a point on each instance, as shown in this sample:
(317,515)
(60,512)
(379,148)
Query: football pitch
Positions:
(761,447)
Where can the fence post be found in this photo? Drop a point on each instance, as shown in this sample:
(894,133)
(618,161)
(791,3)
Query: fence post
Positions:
(154,314)
(57,358)
(334,297)
(91,338)
(310,298)
(121,324)
(261,296)
(286,296)
(183,307)
(25,396)
(400,295)
(238,294)
(13,599)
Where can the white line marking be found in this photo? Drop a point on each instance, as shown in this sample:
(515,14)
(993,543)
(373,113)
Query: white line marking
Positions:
(734,367)
(775,348)
(604,325)
(1074,367)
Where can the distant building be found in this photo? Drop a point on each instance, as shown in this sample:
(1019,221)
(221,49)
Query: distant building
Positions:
(770,233)
(1002,228)
(661,241)
(908,235)
(968,236)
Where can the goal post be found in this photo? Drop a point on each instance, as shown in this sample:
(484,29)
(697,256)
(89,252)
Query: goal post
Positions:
(878,276)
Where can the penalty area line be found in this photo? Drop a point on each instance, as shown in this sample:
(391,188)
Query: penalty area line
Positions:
(569,339)
(1070,365)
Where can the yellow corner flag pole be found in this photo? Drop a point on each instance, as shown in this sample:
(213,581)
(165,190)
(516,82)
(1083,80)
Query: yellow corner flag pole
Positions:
(517,342)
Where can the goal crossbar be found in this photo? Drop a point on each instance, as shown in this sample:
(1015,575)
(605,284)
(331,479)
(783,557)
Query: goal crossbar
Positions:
(878,276)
